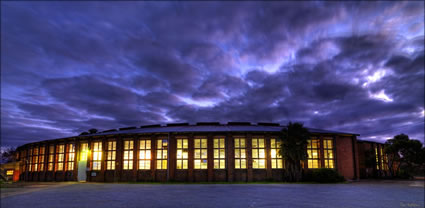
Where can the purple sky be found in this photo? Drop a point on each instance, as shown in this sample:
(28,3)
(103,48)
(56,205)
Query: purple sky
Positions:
(67,67)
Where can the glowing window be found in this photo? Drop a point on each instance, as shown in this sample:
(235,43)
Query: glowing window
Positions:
(24,155)
(60,157)
(182,154)
(276,158)
(97,156)
(377,158)
(51,157)
(128,155)
(41,158)
(161,154)
(201,154)
(328,153)
(240,153)
(219,153)
(34,162)
(111,155)
(145,154)
(313,152)
(84,149)
(258,153)
(383,159)
(9,172)
(70,157)
(30,166)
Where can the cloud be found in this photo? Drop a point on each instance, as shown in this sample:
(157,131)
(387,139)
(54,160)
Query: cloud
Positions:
(71,66)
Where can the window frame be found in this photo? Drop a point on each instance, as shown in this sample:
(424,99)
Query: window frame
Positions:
(70,157)
(34,158)
(96,162)
(258,153)
(145,154)
(312,149)
(161,154)
(182,154)
(84,151)
(200,161)
(128,154)
(60,157)
(275,157)
(384,160)
(111,151)
(29,156)
(219,153)
(328,152)
(240,155)
(377,158)
(51,160)
(41,156)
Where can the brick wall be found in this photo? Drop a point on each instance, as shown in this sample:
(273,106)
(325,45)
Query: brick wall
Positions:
(345,159)
(346,163)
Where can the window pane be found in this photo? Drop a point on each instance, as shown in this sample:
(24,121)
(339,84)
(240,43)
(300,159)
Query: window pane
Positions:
(261,153)
(185,143)
(254,143)
(261,143)
(216,164)
(222,154)
(204,143)
(185,162)
(243,163)
(197,164)
(255,153)
(222,164)
(142,144)
(237,153)
(179,143)
(197,153)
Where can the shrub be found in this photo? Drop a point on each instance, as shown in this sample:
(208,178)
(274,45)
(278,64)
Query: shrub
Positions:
(323,175)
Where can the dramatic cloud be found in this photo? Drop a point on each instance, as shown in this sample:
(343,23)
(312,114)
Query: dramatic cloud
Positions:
(67,67)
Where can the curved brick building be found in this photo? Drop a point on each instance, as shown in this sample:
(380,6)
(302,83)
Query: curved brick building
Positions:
(236,151)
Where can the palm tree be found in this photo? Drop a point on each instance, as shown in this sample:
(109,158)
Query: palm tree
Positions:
(293,149)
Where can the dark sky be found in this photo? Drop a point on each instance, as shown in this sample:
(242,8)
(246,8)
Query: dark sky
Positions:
(67,67)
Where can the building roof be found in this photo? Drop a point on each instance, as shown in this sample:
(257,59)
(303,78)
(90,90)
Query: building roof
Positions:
(201,127)
(210,127)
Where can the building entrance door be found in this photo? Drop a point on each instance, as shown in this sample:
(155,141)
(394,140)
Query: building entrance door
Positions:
(82,174)
(82,163)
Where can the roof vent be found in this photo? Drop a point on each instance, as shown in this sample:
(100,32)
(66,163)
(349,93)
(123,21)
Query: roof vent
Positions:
(208,124)
(239,123)
(151,126)
(178,124)
(268,124)
(127,128)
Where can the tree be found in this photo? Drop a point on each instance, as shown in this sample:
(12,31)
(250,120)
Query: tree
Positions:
(370,160)
(293,148)
(8,155)
(405,152)
(84,133)
(92,131)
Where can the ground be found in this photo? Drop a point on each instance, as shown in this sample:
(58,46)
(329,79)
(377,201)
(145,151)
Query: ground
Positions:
(358,194)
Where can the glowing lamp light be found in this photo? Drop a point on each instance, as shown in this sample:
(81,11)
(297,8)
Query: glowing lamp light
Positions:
(84,155)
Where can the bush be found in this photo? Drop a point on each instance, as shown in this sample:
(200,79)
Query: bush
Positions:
(323,175)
